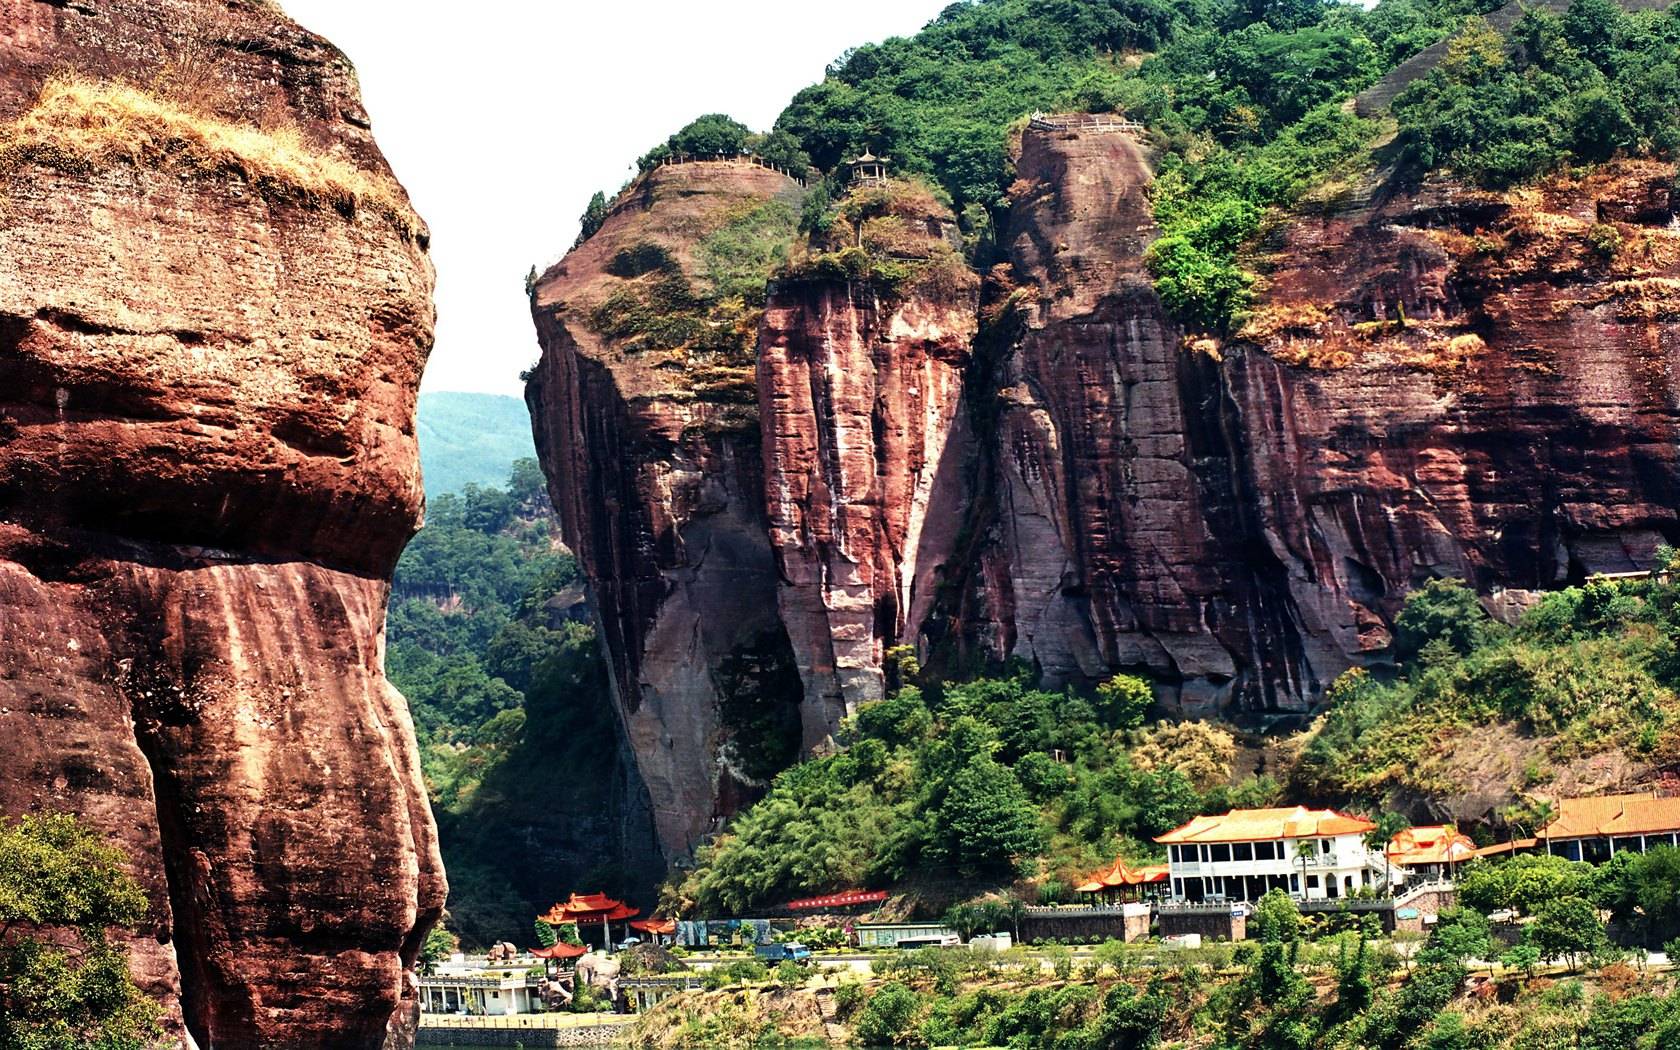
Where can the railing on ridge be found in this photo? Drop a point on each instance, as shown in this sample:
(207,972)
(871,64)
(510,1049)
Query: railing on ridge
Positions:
(1085,122)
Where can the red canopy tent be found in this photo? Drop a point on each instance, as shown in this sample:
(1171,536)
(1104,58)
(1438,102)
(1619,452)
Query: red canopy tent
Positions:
(656,927)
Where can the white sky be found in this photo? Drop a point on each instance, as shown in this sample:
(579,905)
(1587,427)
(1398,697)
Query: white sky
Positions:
(501,120)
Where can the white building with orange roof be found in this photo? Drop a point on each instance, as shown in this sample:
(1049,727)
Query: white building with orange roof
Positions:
(1311,854)
(1596,829)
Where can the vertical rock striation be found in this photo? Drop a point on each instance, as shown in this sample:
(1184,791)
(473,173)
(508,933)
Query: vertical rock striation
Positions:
(653,456)
(1120,542)
(1441,382)
(861,396)
(1433,382)
(208,364)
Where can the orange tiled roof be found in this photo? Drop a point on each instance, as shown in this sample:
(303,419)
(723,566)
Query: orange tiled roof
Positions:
(1500,848)
(1255,825)
(1121,875)
(1431,844)
(1643,813)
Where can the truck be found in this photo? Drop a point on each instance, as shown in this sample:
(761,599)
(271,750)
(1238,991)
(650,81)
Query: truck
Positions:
(791,951)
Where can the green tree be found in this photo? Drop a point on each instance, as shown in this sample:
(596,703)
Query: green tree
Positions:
(710,135)
(985,824)
(590,222)
(1567,928)
(1442,610)
(440,944)
(1524,957)
(1387,825)
(544,934)
(886,1018)
(1124,700)
(63,984)
(1276,919)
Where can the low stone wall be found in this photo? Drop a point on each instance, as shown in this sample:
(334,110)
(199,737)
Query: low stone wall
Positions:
(1128,923)
(1213,924)
(1412,912)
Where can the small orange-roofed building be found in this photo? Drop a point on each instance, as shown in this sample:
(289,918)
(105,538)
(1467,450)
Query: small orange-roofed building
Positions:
(1311,854)
(1429,852)
(1125,883)
(1596,829)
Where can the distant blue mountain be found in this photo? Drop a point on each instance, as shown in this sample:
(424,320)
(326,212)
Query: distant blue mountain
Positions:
(471,439)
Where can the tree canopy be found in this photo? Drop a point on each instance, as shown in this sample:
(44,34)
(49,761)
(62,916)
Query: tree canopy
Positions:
(64,985)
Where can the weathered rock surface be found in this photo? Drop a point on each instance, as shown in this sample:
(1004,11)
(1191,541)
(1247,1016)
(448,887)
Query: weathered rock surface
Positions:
(207,471)
(1119,545)
(865,442)
(653,458)
(1462,384)
(1434,382)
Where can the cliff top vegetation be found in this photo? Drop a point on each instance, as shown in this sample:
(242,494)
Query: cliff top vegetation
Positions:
(1247,102)
(83,123)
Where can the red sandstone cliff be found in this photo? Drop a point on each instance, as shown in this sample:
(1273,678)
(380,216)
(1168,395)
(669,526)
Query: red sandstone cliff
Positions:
(860,391)
(211,337)
(1454,383)
(1434,382)
(1115,544)
(646,421)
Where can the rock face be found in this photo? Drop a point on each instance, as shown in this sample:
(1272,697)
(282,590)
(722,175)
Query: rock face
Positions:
(861,396)
(1461,384)
(1118,544)
(653,456)
(1434,382)
(208,365)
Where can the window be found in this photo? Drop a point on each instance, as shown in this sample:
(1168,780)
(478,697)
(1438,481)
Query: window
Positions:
(1295,884)
(1221,854)
(1312,882)
(1243,851)
(1265,851)
(1326,847)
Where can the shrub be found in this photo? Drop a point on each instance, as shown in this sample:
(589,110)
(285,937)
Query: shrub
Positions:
(887,1019)
(78,121)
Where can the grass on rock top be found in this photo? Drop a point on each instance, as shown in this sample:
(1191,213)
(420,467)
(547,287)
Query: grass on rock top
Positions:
(83,123)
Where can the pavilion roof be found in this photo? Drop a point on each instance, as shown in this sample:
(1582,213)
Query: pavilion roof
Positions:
(560,950)
(1121,875)
(590,907)
(658,926)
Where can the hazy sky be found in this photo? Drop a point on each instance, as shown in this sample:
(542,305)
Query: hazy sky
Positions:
(502,119)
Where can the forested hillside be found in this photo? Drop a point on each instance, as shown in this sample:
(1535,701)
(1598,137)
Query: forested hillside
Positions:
(489,640)
(471,439)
